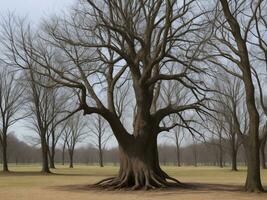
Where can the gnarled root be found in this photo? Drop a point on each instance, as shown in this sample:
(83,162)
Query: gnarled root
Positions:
(144,179)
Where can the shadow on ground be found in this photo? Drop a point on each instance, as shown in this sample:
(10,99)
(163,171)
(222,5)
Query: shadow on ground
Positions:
(192,187)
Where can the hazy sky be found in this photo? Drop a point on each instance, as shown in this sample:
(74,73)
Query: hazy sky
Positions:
(34,9)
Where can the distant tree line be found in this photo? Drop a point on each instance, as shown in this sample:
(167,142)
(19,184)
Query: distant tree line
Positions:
(207,155)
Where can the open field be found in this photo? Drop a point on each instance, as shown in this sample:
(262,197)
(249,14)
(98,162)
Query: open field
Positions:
(70,184)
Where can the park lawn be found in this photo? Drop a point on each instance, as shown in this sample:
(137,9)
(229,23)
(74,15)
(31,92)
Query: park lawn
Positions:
(70,184)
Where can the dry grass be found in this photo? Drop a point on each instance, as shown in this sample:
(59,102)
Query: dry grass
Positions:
(70,184)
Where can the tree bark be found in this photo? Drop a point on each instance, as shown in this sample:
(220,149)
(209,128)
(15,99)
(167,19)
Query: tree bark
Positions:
(253,180)
(139,167)
(252,143)
(101,158)
(178,156)
(45,163)
(234,160)
(4,151)
(263,158)
(63,153)
(52,153)
(100,148)
(52,159)
(71,158)
(234,152)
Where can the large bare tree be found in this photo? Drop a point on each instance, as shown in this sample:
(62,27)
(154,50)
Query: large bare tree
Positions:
(110,43)
(101,47)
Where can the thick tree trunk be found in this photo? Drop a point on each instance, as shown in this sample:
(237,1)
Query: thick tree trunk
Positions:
(45,163)
(4,151)
(252,144)
(139,168)
(253,180)
(234,160)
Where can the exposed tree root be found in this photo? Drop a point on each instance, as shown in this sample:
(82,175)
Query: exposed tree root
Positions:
(140,180)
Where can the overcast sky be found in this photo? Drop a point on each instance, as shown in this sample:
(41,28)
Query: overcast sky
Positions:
(35,10)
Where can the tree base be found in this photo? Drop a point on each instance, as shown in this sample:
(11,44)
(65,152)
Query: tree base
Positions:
(234,170)
(139,181)
(46,172)
(254,186)
(5,172)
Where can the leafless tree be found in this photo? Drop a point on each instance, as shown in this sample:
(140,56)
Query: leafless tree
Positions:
(215,125)
(194,151)
(227,102)
(229,49)
(111,43)
(64,142)
(11,104)
(178,138)
(100,135)
(73,134)
(58,104)
(168,93)
(39,102)
(44,104)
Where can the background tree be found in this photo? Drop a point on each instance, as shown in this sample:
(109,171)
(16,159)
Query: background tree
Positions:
(11,104)
(100,136)
(55,130)
(228,104)
(232,23)
(178,138)
(43,103)
(73,134)
(40,118)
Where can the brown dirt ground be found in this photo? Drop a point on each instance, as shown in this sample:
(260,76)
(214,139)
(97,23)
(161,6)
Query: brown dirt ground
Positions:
(34,186)
(82,192)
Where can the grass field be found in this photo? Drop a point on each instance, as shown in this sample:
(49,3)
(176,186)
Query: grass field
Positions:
(70,184)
